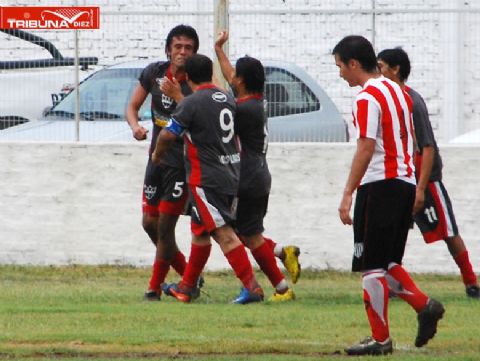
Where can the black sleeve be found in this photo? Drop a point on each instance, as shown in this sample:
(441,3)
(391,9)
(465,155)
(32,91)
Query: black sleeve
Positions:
(421,122)
(147,77)
(183,113)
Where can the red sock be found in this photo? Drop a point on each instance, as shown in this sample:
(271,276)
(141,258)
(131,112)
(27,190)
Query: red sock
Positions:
(270,242)
(266,260)
(240,264)
(463,262)
(179,263)
(375,297)
(196,262)
(159,273)
(408,290)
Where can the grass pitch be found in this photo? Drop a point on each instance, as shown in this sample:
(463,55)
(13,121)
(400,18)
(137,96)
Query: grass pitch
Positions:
(97,313)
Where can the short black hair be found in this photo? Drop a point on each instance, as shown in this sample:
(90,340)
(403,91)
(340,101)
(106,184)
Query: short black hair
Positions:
(199,68)
(358,48)
(182,30)
(394,57)
(252,72)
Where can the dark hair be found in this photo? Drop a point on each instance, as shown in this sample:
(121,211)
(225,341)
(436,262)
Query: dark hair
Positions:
(182,30)
(358,48)
(394,57)
(199,68)
(252,72)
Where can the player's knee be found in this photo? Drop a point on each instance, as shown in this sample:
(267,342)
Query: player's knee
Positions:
(149,224)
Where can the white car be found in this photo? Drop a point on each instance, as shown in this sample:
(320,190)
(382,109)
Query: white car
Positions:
(27,87)
(297,107)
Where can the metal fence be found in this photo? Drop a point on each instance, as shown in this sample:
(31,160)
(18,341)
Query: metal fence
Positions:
(443,44)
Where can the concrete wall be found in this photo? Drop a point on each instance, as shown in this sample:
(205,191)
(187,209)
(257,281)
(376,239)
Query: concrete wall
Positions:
(80,203)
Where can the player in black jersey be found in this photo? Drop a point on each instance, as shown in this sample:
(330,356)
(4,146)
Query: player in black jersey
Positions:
(164,191)
(205,120)
(433,210)
(248,80)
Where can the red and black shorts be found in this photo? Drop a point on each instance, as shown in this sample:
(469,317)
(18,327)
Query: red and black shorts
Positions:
(436,219)
(210,210)
(381,221)
(250,214)
(164,190)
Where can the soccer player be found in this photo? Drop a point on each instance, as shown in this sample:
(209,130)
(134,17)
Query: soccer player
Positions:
(164,192)
(248,80)
(433,211)
(206,121)
(382,173)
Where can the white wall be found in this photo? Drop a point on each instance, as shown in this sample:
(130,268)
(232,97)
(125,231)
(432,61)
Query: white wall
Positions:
(80,203)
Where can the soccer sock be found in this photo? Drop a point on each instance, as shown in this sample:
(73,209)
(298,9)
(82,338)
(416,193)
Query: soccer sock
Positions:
(375,297)
(240,264)
(179,263)
(196,262)
(266,260)
(159,273)
(276,248)
(405,288)
(463,262)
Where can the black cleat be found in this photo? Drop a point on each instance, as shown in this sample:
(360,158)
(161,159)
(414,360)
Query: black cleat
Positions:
(151,295)
(427,321)
(473,291)
(196,290)
(369,346)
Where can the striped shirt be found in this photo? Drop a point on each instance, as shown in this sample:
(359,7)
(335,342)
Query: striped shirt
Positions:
(383,111)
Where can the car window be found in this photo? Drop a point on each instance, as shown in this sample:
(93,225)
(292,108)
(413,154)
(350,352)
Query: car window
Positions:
(286,94)
(105,94)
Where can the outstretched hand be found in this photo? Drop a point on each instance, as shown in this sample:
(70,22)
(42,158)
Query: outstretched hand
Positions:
(171,88)
(222,38)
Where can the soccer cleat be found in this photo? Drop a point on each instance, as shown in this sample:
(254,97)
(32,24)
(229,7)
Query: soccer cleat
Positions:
(247,296)
(427,321)
(369,346)
(290,261)
(473,291)
(151,295)
(174,290)
(196,290)
(289,295)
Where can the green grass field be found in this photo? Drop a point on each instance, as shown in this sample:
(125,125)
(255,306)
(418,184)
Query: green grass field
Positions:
(97,313)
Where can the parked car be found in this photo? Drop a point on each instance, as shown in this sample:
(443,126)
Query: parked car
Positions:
(297,107)
(27,86)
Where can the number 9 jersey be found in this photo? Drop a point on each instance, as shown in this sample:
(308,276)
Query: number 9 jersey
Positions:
(212,150)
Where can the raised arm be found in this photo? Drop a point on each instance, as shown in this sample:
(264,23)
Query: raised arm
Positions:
(227,69)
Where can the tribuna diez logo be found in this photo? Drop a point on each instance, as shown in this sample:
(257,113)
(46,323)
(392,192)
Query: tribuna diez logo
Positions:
(49,17)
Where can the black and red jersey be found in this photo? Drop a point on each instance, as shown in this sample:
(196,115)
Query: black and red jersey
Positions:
(162,107)
(251,127)
(212,148)
(424,136)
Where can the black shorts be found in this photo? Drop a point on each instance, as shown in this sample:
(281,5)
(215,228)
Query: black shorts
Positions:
(164,190)
(382,218)
(250,214)
(210,210)
(436,220)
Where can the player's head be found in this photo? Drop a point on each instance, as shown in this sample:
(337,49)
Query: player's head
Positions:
(181,43)
(250,71)
(394,63)
(355,58)
(199,69)
(356,47)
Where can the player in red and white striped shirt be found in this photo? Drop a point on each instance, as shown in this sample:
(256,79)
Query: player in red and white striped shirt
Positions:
(382,173)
